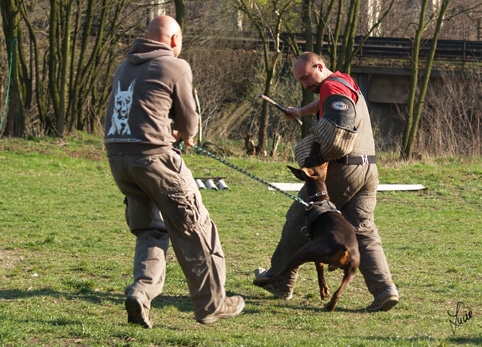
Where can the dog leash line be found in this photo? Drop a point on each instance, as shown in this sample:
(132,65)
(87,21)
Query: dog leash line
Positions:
(212,155)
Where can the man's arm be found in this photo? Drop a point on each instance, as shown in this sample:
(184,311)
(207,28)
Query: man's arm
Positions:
(186,118)
(311,108)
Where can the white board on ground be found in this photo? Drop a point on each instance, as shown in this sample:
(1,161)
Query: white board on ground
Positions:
(295,187)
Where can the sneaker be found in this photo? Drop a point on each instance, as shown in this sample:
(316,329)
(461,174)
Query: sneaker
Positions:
(385,300)
(137,313)
(231,307)
(274,288)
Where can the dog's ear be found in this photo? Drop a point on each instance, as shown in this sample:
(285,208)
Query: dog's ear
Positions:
(309,173)
(303,173)
(298,173)
(324,169)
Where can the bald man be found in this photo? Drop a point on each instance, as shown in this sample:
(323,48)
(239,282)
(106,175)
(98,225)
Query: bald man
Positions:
(152,96)
(352,179)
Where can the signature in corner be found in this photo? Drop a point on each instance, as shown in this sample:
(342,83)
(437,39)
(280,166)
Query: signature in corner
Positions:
(461,316)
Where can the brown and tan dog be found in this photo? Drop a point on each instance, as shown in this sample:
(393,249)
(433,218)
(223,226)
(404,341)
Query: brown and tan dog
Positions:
(332,237)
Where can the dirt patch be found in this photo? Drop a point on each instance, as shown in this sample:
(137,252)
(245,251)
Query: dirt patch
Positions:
(9,258)
(58,147)
(93,154)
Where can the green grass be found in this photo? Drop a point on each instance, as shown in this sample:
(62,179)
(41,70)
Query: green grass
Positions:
(66,255)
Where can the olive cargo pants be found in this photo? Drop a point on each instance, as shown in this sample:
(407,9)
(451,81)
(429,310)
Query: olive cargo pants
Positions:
(162,185)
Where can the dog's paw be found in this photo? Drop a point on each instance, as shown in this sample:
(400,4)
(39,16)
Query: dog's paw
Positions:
(324,293)
(330,306)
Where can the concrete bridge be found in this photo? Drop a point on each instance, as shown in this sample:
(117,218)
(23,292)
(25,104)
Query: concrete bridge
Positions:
(386,91)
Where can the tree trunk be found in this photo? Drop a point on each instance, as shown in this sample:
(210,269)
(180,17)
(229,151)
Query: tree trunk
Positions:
(66,20)
(308,96)
(270,68)
(415,105)
(40,93)
(53,62)
(180,12)
(266,29)
(333,45)
(344,58)
(15,121)
(75,99)
(15,116)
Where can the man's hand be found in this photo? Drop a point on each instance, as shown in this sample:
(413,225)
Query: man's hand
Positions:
(177,136)
(190,142)
(292,112)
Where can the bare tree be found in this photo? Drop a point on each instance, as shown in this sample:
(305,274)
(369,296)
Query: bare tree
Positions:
(180,12)
(63,53)
(452,120)
(15,121)
(418,93)
(313,26)
(267,18)
(70,50)
(99,29)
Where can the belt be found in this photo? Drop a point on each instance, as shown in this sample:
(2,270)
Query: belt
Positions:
(358,159)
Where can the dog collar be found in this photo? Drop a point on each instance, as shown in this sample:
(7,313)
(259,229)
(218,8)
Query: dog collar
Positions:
(321,207)
(322,193)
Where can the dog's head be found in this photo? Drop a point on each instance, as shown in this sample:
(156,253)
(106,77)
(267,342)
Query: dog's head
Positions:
(315,167)
(123,102)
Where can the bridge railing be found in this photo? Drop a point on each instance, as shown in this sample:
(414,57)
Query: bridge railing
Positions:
(446,50)
(392,48)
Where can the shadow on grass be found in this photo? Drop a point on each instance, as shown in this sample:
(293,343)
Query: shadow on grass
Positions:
(291,305)
(476,341)
(466,340)
(182,303)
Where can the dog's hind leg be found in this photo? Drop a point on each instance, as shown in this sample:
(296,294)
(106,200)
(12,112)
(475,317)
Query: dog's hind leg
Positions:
(324,290)
(349,273)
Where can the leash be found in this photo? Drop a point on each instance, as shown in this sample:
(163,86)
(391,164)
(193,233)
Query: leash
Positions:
(212,155)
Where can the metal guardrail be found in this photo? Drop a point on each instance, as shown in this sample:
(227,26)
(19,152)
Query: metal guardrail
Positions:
(391,48)
(448,50)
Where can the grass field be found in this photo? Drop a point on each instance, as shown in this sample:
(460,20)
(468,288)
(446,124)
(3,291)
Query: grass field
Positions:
(66,255)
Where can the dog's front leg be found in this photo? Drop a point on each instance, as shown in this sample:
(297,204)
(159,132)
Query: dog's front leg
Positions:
(324,290)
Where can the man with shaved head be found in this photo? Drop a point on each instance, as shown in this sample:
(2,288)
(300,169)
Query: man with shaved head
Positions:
(150,109)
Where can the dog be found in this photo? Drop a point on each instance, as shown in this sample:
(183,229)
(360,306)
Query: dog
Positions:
(332,237)
(122,108)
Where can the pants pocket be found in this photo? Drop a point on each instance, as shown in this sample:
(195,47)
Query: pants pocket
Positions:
(143,162)
(187,211)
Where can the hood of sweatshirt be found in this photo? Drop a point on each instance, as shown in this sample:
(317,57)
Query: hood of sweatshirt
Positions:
(143,50)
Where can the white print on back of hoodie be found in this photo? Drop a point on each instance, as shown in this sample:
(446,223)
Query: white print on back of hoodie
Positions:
(122,107)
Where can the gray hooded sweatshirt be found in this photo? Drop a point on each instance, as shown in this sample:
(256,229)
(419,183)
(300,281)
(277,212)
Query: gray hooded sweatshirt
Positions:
(151,90)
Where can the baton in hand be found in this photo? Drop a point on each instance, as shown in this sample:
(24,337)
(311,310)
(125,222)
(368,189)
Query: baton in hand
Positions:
(278,106)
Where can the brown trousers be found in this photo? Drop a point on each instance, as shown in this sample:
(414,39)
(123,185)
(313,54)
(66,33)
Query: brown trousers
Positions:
(164,203)
(352,188)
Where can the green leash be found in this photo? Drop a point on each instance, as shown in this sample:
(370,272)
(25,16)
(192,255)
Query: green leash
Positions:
(212,155)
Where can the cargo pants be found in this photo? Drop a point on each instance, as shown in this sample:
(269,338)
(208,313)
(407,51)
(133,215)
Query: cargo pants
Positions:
(162,185)
(352,188)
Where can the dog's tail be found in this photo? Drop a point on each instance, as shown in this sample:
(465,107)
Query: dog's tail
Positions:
(339,260)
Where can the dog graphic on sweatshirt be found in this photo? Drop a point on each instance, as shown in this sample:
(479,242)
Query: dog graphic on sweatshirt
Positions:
(122,107)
